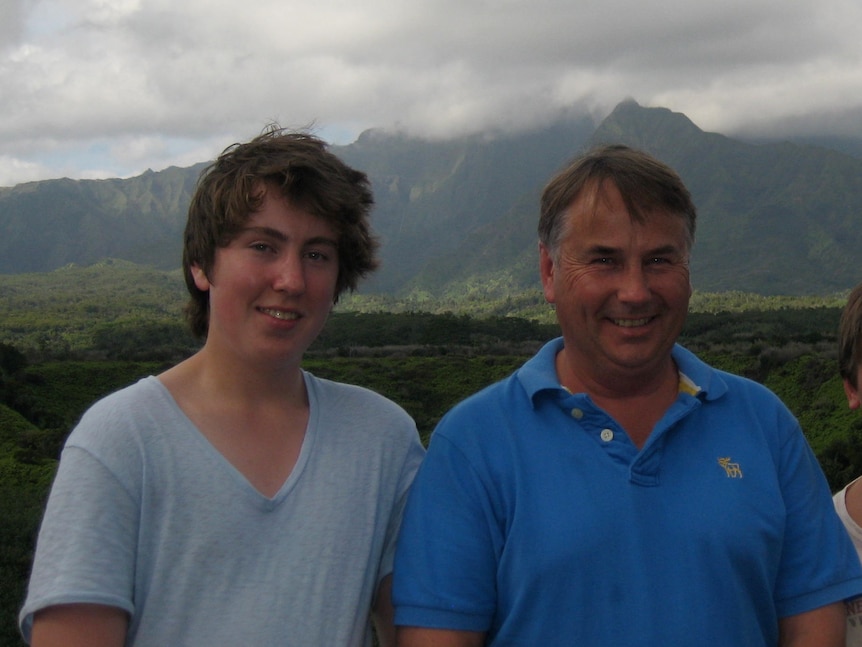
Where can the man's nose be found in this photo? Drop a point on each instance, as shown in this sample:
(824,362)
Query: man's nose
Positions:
(634,284)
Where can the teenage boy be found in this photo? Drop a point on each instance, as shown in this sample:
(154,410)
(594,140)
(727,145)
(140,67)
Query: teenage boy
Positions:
(236,499)
(848,502)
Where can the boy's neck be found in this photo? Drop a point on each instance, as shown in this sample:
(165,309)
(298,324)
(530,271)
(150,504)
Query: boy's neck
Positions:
(239,383)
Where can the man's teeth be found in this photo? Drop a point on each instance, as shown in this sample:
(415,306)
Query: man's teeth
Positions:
(279,314)
(631,323)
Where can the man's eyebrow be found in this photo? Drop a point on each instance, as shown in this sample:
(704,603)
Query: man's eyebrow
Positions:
(665,250)
(602,250)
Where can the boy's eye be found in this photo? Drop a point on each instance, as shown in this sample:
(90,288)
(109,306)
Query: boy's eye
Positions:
(316,255)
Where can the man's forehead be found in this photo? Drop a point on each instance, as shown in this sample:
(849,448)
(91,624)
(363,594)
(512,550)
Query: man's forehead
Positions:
(605,194)
(597,206)
(601,203)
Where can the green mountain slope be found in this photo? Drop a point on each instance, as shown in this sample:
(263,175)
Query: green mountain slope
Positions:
(457,217)
(46,225)
(772,218)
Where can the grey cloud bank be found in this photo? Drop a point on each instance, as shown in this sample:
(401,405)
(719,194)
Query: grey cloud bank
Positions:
(105,88)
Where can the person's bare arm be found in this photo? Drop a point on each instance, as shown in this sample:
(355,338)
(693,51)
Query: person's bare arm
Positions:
(383,613)
(79,625)
(423,637)
(823,627)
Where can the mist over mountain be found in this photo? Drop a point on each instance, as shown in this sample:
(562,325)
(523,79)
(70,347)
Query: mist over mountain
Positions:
(459,216)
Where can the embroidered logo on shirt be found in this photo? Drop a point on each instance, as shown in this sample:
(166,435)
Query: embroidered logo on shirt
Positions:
(732,469)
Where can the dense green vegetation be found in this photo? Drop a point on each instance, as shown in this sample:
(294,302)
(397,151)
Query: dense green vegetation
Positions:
(119,310)
(426,362)
(112,308)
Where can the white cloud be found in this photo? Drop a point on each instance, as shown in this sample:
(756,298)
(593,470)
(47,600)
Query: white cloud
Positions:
(118,86)
(15,171)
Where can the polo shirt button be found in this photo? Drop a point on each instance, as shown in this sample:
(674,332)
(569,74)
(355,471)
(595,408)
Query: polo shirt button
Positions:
(607,435)
(577,414)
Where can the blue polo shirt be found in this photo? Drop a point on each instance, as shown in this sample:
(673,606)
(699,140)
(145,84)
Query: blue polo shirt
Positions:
(535,519)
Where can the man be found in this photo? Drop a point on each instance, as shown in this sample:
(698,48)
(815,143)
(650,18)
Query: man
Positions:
(236,499)
(615,490)
(848,502)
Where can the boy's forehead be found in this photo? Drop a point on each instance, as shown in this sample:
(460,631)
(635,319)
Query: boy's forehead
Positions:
(270,192)
(283,217)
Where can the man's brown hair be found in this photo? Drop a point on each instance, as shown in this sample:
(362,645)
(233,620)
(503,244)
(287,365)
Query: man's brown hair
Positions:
(645,184)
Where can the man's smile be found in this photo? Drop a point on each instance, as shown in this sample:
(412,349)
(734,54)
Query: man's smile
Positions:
(631,323)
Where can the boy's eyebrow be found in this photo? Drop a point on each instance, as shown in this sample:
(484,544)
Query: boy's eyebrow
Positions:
(322,240)
(282,237)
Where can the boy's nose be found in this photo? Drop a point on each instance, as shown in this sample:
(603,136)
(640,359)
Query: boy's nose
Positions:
(290,276)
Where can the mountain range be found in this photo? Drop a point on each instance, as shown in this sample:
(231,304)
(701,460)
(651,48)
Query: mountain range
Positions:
(458,217)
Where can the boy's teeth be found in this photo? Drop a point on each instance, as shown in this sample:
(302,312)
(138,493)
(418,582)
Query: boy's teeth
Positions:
(278,314)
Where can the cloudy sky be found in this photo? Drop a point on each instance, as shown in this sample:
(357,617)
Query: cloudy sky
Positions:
(109,88)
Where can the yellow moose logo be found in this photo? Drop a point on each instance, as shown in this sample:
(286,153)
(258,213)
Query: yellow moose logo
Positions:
(732,469)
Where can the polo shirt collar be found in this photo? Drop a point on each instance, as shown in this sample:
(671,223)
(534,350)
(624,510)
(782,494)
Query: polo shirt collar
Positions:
(539,373)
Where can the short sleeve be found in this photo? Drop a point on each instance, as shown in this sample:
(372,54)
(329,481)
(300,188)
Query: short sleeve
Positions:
(87,541)
(446,560)
(412,460)
(809,576)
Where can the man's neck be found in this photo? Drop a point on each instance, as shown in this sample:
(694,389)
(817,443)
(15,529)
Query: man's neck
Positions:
(636,400)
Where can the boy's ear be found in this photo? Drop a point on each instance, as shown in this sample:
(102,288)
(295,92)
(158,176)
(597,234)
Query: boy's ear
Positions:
(853,398)
(201,281)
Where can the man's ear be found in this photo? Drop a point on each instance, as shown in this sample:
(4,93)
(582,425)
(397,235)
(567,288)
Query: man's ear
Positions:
(852,393)
(200,277)
(546,270)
